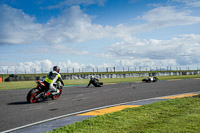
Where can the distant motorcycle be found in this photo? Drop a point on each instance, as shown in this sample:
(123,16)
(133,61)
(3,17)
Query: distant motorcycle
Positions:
(41,93)
(150,79)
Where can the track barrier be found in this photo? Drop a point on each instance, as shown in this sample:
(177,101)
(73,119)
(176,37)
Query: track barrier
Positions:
(103,76)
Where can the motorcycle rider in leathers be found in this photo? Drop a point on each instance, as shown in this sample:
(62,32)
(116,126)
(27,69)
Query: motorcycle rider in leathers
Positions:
(95,82)
(53,77)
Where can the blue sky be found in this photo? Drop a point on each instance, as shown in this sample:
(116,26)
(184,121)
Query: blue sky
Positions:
(90,34)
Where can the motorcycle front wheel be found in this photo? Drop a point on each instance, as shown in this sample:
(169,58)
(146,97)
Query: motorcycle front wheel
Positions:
(57,96)
(31,96)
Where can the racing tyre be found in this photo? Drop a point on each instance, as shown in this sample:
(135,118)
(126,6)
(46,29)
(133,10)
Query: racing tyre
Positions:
(57,96)
(31,96)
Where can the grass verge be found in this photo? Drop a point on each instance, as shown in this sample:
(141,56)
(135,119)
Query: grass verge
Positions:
(32,84)
(171,116)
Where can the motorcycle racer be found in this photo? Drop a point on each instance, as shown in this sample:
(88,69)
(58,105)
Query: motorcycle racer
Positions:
(95,82)
(54,77)
(150,79)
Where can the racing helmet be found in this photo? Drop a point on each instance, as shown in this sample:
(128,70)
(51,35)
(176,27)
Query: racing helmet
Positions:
(91,77)
(56,68)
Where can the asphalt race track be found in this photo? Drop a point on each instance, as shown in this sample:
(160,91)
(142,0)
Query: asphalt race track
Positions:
(15,111)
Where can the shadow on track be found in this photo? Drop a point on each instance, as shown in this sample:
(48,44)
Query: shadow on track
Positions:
(18,103)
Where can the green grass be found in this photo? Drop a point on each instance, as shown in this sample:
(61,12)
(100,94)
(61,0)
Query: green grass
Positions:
(17,85)
(32,84)
(181,115)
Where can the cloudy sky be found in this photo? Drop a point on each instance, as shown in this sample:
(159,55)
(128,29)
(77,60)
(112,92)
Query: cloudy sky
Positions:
(89,34)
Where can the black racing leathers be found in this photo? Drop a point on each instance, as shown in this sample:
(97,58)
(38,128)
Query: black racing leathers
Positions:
(95,82)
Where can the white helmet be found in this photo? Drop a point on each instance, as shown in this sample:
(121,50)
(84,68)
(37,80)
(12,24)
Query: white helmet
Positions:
(91,77)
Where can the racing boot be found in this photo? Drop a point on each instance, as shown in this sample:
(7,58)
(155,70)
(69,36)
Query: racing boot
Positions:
(55,92)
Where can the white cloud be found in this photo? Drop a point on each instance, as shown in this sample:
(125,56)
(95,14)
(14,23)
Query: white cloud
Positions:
(44,66)
(166,17)
(40,66)
(73,25)
(182,50)
(76,26)
(135,53)
(16,27)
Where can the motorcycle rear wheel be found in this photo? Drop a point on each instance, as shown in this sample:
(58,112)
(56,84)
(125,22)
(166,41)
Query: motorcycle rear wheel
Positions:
(31,95)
